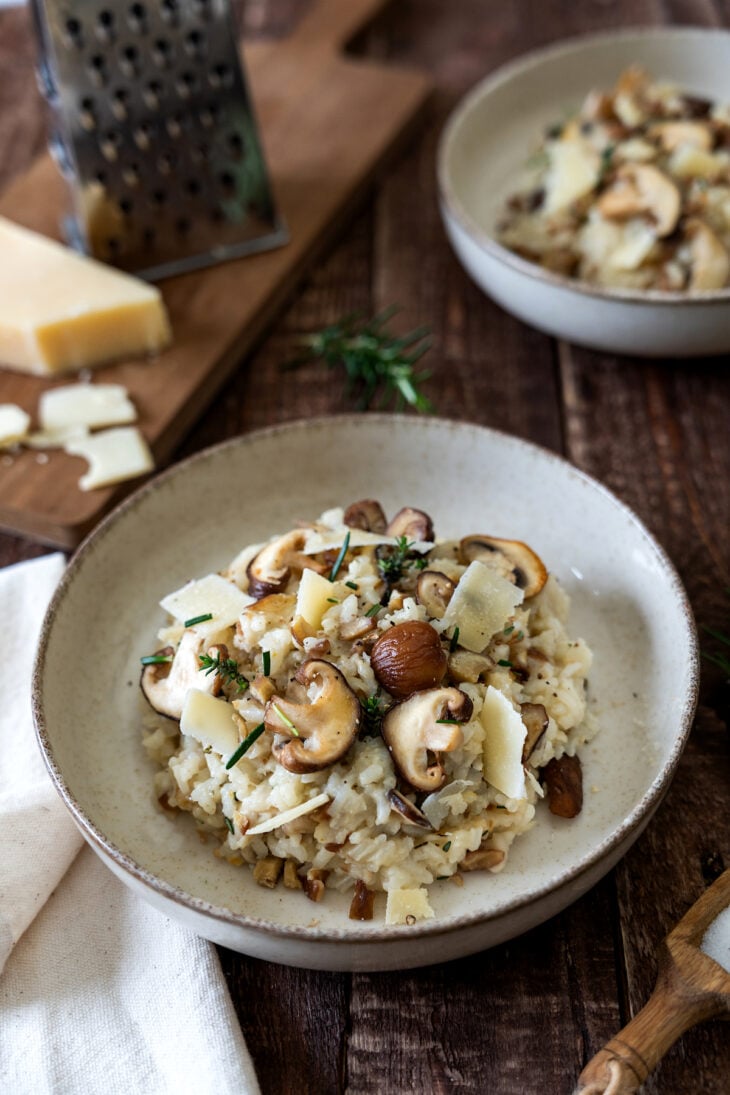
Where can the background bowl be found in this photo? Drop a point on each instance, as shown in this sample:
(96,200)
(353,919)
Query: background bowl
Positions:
(627,602)
(482,155)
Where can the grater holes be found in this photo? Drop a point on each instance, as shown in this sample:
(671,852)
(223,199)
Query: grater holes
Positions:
(126,205)
(227,183)
(174,126)
(119,105)
(220,76)
(142,136)
(185,85)
(165,163)
(137,18)
(217,215)
(129,61)
(192,188)
(161,53)
(109,146)
(105,26)
(73,34)
(199,153)
(130,175)
(208,115)
(152,94)
(169,11)
(234,144)
(87,114)
(97,70)
(182,226)
(113,246)
(148,236)
(194,43)
(158,198)
(201,8)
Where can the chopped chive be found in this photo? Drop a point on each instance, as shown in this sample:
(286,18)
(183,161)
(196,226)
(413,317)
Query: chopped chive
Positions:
(446,846)
(229,824)
(449,722)
(352,585)
(333,600)
(286,721)
(454,641)
(340,558)
(520,636)
(266,660)
(509,630)
(441,877)
(198,619)
(505,663)
(155,659)
(373,610)
(245,746)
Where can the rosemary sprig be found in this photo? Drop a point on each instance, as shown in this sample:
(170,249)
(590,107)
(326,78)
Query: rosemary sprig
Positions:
(225,668)
(372,716)
(719,659)
(377,363)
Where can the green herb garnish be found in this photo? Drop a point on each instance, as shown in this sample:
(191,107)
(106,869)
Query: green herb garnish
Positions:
(155,659)
(446,846)
(400,557)
(509,630)
(718,659)
(352,585)
(286,721)
(454,641)
(448,722)
(332,601)
(266,662)
(229,823)
(373,610)
(225,668)
(245,746)
(605,164)
(340,558)
(372,716)
(376,361)
(505,663)
(198,619)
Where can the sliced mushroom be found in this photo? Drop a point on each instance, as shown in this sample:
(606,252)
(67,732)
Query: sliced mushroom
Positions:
(563,779)
(434,590)
(710,260)
(166,684)
(641,189)
(514,560)
(366,515)
(270,570)
(292,881)
(361,906)
(483,859)
(267,871)
(414,524)
(424,724)
(673,134)
(408,810)
(314,883)
(320,731)
(357,627)
(535,718)
(465,666)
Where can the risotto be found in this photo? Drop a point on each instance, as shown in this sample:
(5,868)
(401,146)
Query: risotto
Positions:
(358,706)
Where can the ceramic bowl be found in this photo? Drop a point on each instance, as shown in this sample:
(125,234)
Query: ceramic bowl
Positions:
(483,151)
(627,602)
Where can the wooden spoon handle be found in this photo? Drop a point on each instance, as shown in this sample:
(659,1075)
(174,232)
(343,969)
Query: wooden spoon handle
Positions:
(624,1063)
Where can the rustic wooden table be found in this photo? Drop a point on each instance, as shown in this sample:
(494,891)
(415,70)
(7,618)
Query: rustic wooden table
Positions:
(525,1017)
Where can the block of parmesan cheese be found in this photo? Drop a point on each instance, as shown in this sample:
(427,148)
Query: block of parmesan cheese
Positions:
(60,311)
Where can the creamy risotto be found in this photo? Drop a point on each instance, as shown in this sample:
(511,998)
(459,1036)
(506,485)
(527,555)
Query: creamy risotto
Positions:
(359,706)
(632,192)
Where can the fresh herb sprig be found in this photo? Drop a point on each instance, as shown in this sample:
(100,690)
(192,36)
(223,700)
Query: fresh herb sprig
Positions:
(719,658)
(226,668)
(379,365)
(373,713)
(400,557)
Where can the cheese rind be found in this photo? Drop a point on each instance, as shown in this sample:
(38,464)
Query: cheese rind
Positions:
(113,456)
(60,311)
(91,405)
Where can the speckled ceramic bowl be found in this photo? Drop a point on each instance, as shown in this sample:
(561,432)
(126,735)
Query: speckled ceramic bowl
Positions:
(627,602)
(482,154)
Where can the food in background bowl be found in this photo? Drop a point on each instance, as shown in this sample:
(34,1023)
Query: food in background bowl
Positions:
(357,705)
(633,192)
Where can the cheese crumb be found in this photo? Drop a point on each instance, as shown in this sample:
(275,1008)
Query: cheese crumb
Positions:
(113,456)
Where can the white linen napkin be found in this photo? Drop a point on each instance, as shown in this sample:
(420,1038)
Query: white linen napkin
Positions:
(100,994)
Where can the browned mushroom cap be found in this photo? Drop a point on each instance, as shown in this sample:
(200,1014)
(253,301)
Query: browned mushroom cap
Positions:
(466,666)
(270,570)
(514,560)
(563,779)
(320,731)
(535,718)
(710,260)
(642,189)
(166,684)
(408,810)
(414,524)
(423,725)
(434,590)
(366,515)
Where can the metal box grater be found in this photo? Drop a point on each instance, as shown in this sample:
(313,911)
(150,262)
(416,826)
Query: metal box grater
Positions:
(153,128)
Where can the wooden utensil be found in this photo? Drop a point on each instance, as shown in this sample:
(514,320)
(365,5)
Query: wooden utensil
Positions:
(329,121)
(690,987)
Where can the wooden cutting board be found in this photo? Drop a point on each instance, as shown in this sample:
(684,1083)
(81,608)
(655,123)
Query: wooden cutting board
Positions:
(328,122)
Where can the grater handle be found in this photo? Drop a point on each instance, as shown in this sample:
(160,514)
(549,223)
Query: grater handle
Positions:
(331,24)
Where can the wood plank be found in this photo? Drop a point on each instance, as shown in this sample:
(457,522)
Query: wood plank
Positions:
(329,123)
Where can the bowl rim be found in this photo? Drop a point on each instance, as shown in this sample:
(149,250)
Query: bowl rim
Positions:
(454,208)
(631,824)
